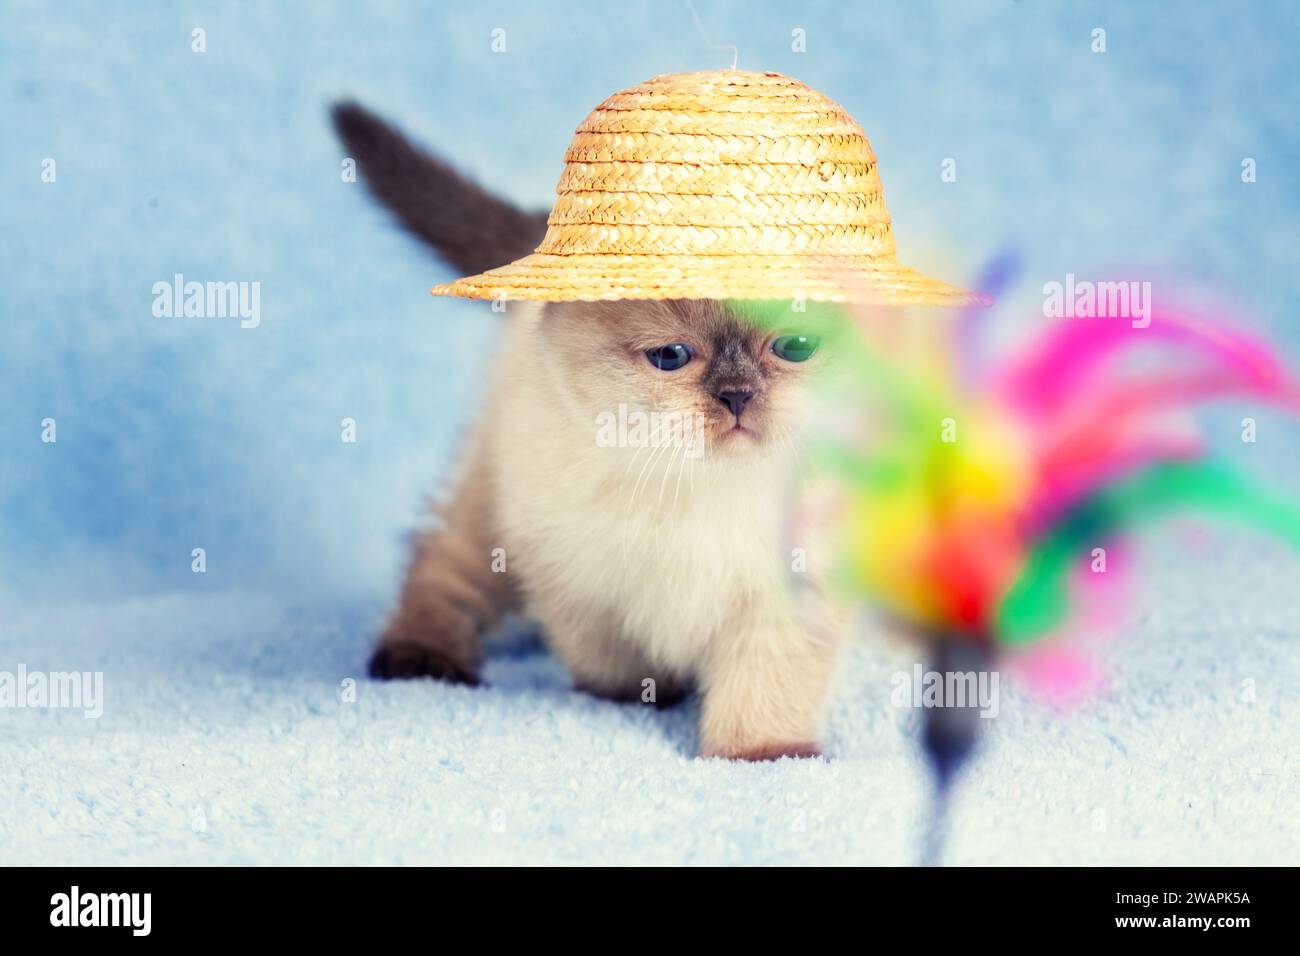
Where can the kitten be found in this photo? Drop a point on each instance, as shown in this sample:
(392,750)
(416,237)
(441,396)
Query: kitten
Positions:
(656,568)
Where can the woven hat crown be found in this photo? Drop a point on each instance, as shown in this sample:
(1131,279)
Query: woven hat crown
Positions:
(716,185)
(768,164)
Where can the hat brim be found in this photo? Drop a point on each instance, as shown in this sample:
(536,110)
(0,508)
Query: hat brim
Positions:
(542,277)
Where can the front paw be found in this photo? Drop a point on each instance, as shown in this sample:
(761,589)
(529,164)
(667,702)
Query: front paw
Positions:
(397,659)
(765,752)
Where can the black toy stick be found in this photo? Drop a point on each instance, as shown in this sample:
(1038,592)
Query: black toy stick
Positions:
(949,732)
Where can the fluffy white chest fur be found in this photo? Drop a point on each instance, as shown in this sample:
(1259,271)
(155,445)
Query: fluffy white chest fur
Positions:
(664,548)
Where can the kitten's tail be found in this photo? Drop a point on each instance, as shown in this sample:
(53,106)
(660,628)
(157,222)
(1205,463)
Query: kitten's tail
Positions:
(466,225)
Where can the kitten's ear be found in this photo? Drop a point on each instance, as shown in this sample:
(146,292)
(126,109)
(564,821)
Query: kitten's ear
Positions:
(468,226)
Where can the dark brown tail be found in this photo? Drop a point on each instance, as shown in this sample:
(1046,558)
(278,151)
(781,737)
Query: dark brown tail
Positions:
(466,225)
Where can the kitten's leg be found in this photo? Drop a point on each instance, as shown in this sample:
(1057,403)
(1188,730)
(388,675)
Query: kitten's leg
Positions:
(451,595)
(605,664)
(764,685)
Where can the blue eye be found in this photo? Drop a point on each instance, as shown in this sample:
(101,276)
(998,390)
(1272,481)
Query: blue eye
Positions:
(796,348)
(669,358)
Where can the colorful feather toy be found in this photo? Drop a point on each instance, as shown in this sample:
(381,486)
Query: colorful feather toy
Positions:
(984,501)
(971,512)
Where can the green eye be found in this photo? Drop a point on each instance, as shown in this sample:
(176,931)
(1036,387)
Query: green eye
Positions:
(796,348)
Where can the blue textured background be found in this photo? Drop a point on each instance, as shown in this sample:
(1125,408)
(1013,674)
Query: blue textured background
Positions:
(225,737)
(183,433)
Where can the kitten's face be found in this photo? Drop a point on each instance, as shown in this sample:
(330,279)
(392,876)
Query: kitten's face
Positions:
(738,384)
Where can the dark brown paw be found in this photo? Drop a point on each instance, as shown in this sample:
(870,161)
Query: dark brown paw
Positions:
(671,697)
(663,696)
(395,660)
(771,752)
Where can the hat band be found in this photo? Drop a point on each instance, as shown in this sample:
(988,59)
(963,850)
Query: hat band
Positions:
(734,211)
(874,239)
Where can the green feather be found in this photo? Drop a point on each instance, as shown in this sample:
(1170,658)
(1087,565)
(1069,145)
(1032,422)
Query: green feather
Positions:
(1039,599)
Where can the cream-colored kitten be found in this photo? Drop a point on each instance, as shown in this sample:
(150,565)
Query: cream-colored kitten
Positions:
(656,562)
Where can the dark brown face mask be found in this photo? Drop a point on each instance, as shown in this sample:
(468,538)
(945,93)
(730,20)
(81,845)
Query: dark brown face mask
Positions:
(734,376)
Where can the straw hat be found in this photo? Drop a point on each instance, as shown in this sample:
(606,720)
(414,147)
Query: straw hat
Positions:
(716,185)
